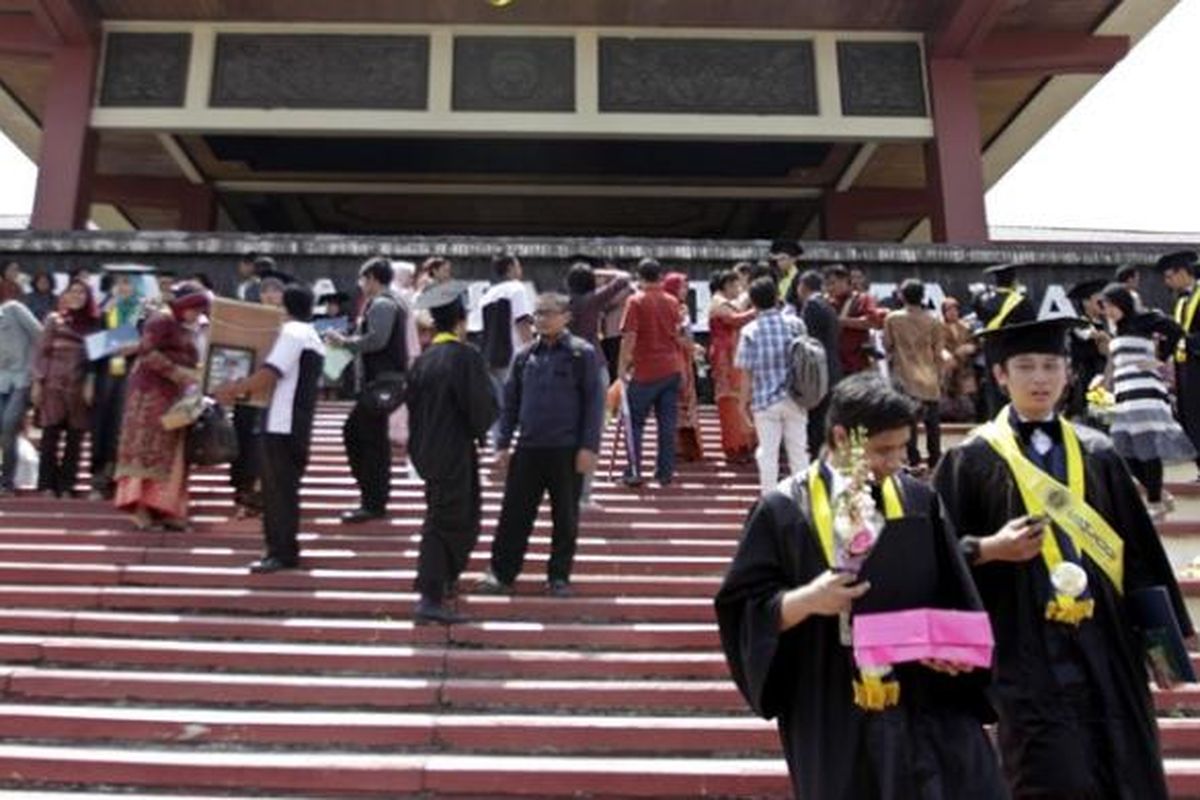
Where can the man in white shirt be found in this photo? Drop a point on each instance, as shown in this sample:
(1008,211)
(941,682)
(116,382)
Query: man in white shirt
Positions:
(292,371)
(507,310)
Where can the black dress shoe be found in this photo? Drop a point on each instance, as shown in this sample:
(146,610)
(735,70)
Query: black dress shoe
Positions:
(271,564)
(559,588)
(428,612)
(361,515)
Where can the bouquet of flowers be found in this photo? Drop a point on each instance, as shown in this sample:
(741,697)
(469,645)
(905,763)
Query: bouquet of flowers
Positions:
(857,520)
(857,523)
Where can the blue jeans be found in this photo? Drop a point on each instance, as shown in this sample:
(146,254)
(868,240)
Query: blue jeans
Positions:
(499,376)
(13,405)
(663,397)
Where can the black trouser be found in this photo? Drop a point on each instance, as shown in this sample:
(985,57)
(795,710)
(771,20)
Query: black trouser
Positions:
(244,470)
(532,473)
(816,427)
(453,511)
(369,452)
(284,459)
(55,475)
(106,429)
(931,415)
(1149,475)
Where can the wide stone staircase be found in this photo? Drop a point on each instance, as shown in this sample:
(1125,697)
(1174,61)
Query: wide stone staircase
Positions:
(154,664)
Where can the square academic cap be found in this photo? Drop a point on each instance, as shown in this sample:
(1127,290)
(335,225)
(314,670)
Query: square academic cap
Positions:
(1001,270)
(1085,289)
(442,294)
(1044,336)
(1182,259)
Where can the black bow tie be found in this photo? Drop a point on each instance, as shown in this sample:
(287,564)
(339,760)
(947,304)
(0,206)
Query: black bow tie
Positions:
(1052,429)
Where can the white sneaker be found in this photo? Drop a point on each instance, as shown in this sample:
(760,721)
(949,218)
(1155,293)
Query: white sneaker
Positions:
(1158,511)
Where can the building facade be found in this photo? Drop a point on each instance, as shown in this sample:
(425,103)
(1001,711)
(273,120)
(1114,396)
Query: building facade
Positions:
(838,119)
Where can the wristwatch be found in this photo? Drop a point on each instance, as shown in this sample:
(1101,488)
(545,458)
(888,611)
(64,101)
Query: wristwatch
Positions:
(970,549)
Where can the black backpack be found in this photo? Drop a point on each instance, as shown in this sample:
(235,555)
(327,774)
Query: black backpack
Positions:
(497,333)
(211,439)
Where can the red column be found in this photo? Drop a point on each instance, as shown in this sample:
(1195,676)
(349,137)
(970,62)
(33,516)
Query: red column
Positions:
(954,160)
(68,143)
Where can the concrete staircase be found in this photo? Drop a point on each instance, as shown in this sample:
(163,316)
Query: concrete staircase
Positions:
(154,663)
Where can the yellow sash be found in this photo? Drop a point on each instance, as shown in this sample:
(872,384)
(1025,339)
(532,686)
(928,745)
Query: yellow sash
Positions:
(822,511)
(873,690)
(1012,301)
(1065,505)
(1185,315)
(442,338)
(116,364)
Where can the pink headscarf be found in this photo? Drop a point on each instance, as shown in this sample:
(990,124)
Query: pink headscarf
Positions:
(676,283)
(190,296)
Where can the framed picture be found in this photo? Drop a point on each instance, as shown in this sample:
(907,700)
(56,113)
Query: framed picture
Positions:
(227,364)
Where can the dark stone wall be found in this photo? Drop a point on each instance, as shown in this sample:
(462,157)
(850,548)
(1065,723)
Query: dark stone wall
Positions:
(954,268)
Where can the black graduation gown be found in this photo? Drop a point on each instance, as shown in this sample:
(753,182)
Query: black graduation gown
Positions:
(1076,718)
(929,747)
(1086,363)
(450,407)
(1187,382)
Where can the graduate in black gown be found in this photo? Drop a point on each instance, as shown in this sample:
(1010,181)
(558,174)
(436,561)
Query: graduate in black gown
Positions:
(1071,688)
(450,407)
(781,610)
(1179,272)
(1003,303)
(1089,344)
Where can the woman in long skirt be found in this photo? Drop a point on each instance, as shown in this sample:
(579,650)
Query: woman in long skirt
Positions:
(1144,429)
(727,315)
(687,431)
(63,388)
(151,470)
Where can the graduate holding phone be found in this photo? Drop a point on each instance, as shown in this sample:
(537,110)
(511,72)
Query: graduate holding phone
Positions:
(785,608)
(1059,540)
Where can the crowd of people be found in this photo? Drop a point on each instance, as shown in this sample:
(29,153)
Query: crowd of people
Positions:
(1036,518)
(1033,529)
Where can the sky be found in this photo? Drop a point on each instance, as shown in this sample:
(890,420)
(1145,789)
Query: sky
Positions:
(1127,157)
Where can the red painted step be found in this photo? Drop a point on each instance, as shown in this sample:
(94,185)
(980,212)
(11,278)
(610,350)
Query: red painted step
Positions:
(31,684)
(389,775)
(477,733)
(363,659)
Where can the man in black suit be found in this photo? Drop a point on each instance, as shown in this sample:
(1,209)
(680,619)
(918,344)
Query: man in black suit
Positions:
(821,319)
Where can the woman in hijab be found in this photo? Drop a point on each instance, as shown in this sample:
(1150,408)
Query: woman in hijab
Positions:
(151,469)
(62,388)
(687,430)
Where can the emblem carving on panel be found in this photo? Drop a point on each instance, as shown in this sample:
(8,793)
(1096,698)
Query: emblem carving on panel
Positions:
(707,76)
(321,72)
(881,79)
(143,70)
(511,73)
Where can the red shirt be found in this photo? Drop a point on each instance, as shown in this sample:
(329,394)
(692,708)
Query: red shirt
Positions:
(655,317)
(850,347)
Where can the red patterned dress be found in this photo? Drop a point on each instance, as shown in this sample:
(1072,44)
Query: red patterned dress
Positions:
(151,471)
(724,322)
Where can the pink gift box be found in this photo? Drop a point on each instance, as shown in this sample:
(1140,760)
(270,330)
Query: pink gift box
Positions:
(895,637)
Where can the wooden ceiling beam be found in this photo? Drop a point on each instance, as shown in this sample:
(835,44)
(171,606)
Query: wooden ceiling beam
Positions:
(870,203)
(68,22)
(966,30)
(23,35)
(1052,53)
